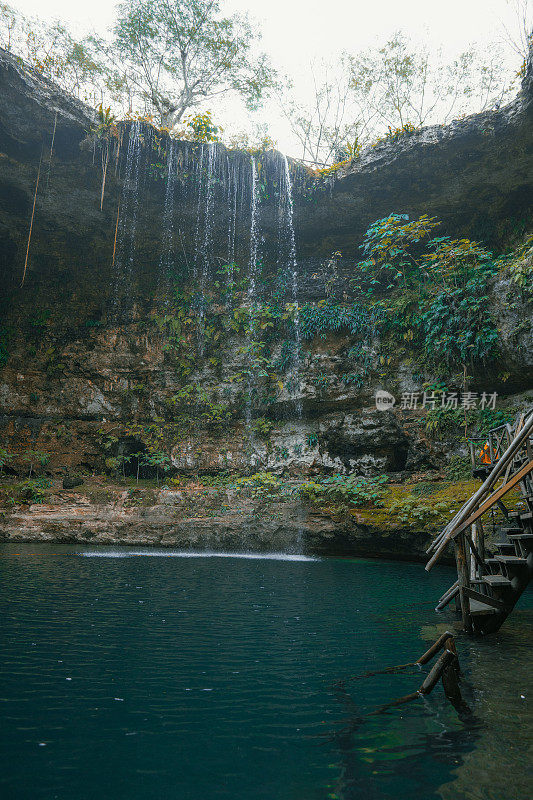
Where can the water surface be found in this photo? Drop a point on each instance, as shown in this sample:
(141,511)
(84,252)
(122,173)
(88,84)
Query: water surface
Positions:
(131,674)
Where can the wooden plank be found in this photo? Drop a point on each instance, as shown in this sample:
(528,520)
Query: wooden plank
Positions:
(433,676)
(454,591)
(484,598)
(500,581)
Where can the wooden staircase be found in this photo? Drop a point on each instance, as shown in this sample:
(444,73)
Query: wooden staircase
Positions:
(489,583)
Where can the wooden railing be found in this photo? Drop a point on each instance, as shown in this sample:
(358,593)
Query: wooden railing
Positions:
(511,462)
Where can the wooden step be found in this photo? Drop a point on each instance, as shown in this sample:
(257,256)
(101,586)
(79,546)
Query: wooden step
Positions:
(506,548)
(509,531)
(498,581)
(517,536)
(528,515)
(507,561)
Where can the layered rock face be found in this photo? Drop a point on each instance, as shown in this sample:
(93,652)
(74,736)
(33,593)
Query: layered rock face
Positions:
(135,330)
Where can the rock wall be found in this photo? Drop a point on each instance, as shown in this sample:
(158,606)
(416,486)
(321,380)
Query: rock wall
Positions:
(81,382)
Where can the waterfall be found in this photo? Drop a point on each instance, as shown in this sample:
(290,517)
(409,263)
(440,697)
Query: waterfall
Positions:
(166,261)
(232,191)
(203,255)
(252,305)
(287,260)
(127,214)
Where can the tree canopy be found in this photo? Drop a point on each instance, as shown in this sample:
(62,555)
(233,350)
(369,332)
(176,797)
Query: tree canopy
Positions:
(173,55)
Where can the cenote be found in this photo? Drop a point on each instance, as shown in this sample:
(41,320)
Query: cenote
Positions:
(131,673)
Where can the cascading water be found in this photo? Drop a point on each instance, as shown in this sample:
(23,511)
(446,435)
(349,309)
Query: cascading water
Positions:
(232,191)
(203,257)
(287,261)
(127,226)
(251,343)
(166,261)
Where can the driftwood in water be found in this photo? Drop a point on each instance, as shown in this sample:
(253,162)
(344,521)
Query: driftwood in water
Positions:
(430,681)
(446,668)
(424,658)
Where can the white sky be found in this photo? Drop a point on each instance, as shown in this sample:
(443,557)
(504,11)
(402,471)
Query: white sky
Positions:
(297,31)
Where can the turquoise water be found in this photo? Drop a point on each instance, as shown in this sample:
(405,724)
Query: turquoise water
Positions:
(137,674)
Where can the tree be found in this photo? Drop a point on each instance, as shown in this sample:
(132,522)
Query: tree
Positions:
(330,127)
(173,55)
(51,50)
(401,84)
(520,40)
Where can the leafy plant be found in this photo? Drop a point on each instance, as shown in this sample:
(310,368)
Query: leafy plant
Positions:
(411,510)
(347,489)
(261,485)
(33,491)
(458,468)
(5,458)
(262,427)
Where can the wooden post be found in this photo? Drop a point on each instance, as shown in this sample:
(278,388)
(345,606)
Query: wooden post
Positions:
(464,581)
(473,563)
(435,673)
(435,647)
(480,540)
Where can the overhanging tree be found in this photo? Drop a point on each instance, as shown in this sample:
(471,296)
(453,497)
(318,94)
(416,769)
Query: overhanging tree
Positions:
(173,55)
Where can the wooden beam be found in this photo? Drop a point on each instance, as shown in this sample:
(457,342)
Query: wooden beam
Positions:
(484,598)
(464,581)
(438,645)
(487,486)
(493,498)
(490,501)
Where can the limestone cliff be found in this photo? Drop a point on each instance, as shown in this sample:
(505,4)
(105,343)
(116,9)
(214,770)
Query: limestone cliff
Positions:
(100,359)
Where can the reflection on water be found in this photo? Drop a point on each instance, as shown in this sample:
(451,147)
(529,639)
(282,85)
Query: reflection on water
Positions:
(209,678)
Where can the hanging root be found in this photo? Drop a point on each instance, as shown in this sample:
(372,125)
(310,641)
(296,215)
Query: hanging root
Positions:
(31,222)
(116,233)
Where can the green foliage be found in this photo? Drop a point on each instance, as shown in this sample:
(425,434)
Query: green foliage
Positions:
(262,427)
(35,458)
(424,489)
(442,422)
(410,510)
(519,263)
(200,128)
(458,468)
(196,399)
(433,292)
(489,418)
(173,56)
(347,489)
(5,458)
(318,319)
(261,485)
(312,440)
(32,491)
(106,123)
